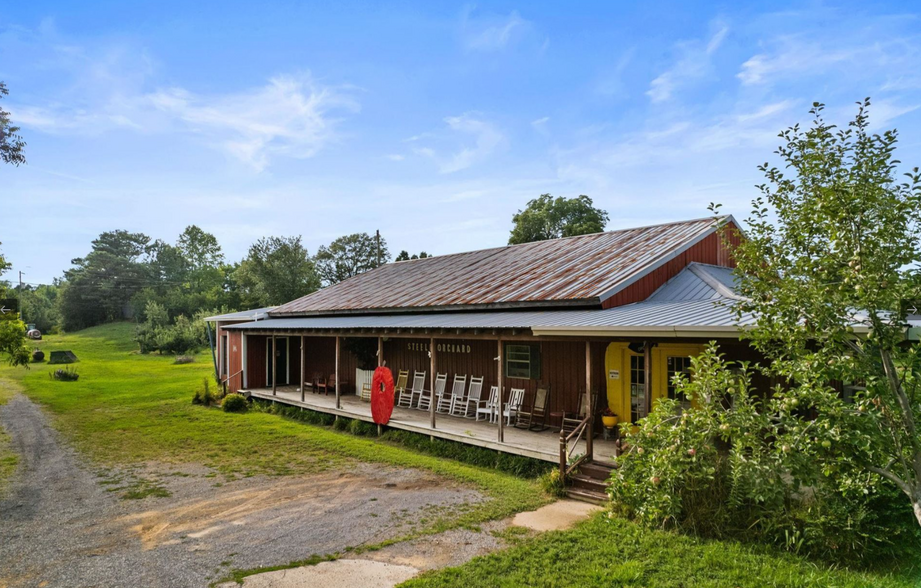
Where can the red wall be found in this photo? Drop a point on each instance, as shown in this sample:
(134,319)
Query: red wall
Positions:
(710,250)
(562,366)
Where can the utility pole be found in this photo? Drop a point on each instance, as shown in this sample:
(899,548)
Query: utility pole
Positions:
(377,238)
(20,295)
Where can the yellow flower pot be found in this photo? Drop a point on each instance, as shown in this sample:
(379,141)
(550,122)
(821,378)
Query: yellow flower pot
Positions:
(609,421)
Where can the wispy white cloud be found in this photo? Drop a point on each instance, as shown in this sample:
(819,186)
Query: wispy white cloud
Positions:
(290,117)
(792,55)
(491,33)
(396,157)
(485,136)
(479,139)
(693,62)
(858,51)
(540,125)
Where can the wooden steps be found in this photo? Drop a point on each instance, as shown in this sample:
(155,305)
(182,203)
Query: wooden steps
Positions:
(589,482)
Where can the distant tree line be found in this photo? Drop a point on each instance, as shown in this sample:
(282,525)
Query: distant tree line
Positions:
(169,287)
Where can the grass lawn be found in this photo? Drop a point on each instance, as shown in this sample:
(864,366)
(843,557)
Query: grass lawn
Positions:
(8,458)
(608,553)
(128,408)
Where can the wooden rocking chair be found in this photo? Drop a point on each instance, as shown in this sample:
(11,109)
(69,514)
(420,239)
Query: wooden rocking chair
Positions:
(571,420)
(400,386)
(536,415)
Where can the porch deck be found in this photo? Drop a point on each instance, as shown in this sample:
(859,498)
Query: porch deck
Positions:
(544,445)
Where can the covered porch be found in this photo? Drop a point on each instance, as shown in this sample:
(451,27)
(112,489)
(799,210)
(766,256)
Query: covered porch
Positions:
(543,445)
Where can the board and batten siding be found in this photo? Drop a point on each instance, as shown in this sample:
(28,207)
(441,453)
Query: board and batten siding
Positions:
(709,250)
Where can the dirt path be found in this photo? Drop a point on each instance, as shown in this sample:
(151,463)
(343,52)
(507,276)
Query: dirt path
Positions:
(60,526)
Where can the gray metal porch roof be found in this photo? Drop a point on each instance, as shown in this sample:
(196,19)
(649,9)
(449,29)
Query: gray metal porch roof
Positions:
(683,318)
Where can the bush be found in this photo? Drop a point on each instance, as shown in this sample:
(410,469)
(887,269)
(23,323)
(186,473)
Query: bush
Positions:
(181,359)
(182,336)
(235,403)
(65,375)
(553,483)
(204,395)
(362,428)
(720,470)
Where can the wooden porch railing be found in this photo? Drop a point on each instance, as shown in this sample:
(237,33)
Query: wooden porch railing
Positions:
(566,451)
(226,380)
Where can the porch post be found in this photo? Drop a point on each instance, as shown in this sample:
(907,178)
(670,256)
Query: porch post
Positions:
(337,373)
(501,396)
(380,351)
(303,366)
(274,372)
(432,382)
(647,375)
(589,448)
(244,376)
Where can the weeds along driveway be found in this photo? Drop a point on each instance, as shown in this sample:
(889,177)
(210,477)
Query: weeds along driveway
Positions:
(62,525)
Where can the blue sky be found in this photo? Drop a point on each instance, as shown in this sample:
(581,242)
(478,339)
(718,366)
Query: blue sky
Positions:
(433,122)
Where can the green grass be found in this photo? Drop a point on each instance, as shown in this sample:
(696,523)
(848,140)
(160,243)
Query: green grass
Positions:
(8,458)
(606,552)
(129,409)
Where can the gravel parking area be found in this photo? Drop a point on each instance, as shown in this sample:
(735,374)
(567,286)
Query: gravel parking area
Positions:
(62,525)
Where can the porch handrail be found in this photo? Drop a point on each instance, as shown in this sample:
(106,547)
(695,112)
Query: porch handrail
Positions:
(566,452)
(226,380)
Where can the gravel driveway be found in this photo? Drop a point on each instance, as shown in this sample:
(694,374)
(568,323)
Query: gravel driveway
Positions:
(60,526)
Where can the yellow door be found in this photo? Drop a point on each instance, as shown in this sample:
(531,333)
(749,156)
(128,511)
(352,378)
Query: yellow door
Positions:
(625,376)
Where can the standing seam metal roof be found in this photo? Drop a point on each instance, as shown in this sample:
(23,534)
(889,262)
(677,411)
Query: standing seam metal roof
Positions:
(700,314)
(574,269)
(698,300)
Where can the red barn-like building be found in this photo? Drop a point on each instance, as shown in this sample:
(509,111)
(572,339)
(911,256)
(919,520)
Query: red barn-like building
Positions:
(549,326)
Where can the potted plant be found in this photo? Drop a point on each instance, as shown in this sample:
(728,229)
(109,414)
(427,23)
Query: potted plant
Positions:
(608,418)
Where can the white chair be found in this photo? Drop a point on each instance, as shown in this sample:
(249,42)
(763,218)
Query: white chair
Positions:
(425,401)
(411,396)
(467,408)
(487,408)
(458,395)
(516,397)
(446,402)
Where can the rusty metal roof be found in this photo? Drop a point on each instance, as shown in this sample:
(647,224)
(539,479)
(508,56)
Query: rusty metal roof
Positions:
(574,271)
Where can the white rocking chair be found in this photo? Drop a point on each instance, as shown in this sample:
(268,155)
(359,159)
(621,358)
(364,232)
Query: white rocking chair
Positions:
(411,396)
(425,401)
(468,406)
(513,405)
(446,402)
